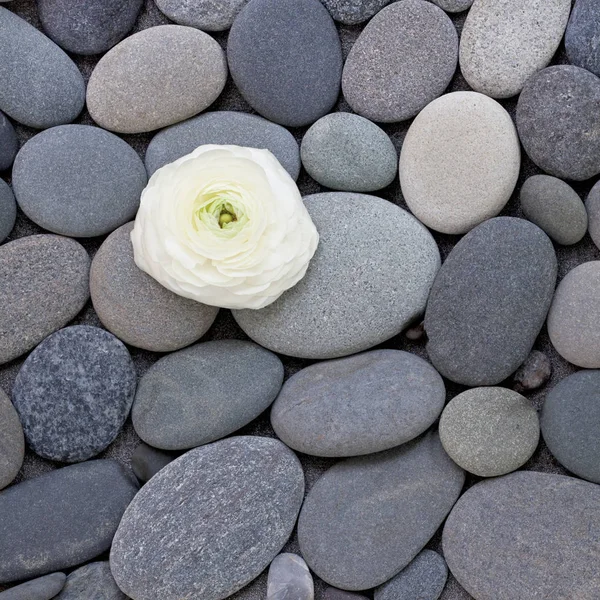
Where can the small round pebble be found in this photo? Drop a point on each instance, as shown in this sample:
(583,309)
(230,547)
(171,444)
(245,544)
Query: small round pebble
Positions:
(8,210)
(289,578)
(147,461)
(555,207)
(42,588)
(208,15)
(453,6)
(343,151)
(582,35)
(592,206)
(353,12)
(91,582)
(533,373)
(8,143)
(489,431)
(12,442)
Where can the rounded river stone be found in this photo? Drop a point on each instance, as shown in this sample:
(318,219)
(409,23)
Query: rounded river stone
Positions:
(8,210)
(453,6)
(352,12)
(343,151)
(44,283)
(367,518)
(185,531)
(289,577)
(557,121)
(358,405)
(403,59)
(592,206)
(329,314)
(582,38)
(437,177)
(536,529)
(78,180)
(489,431)
(42,588)
(41,86)
(74,512)
(73,393)
(126,92)
(489,301)
(533,373)
(331,593)
(135,307)
(208,15)
(146,461)
(8,143)
(12,442)
(292,74)
(223,128)
(91,582)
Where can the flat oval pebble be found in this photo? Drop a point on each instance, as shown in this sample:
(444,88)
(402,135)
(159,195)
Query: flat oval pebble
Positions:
(74,513)
(146,461)
(526,535)
(8,143)
(557,121)
(367,518)
(286,76)
(289,577)
(91,582)
(504,42)
(42,588)
(78,180)
(343,151)
(358,405)
(135,307)
(8,210)
(208,15)
(89,27)
(453,6)
(12,442)
(126,92)
(592,206)
(184,533)
(74,392)
(403,59)
(437,177)
(223,128)
(328,314)
(41,86)
(45,271)
(489,301)
(583,35)
(353,12)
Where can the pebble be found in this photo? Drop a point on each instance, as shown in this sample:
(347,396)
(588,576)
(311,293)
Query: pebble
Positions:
(8,210)
(146,461)
(126,92)
(291,76)
(135,307)
(289,578)
(90,27)
(185,531)
(207,15)
(45,271)
(592,206)
(42,588)
(437,177)
(41,86)
(353,12)
(489,301)
(358,405)
(78,180)
(346,152)
(328,314)
(453,5)
(12,442)
(533,373)
(91,582)
(219,386)
(489,431)
(555,207)
(557,120)
(224,128)
(8,143)
(526,535)
(73,393)
(335,594)
(504,42)
(74,513)
(583,35)
(403,59)
(366,518)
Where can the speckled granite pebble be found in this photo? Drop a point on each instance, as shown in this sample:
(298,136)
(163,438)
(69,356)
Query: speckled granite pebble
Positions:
(289,578)
(91,582)
(582,38)
(453,6)
(208,15)
(42,588)
(147,461)
(8,143)
(353,12)
(8,210)
(592,206)
(12,442)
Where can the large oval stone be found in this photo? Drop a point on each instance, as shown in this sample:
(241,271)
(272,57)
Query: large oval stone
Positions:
(209,522)
(526,535)
(490,300)
(582,35)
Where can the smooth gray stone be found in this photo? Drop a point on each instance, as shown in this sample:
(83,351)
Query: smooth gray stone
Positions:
(533,373)
(8,143)
(44,283)
(367,518)
(289,577)
(91,582)
(353,12)
(223,128)
(556,558)
(358,405)
(292,75)
(185,531)
(74,513)
(219,386)
(582,38)
(335,594)
(329,314)
(453,6)
(12,442)
(41,86)
(78,180)
(8,210)
(489,301)
(73,393)
(208,15)
(146,461)
(43,588)
(592,206)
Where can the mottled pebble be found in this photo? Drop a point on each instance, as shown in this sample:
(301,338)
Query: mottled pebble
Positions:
(208,15)
(533,373)
(353,12)
(12,442)
(289,578)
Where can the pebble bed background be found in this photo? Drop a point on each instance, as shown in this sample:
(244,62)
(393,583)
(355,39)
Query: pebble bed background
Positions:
(226,328)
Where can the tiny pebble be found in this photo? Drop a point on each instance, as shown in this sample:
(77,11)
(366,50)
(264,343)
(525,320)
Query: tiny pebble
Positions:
(533,373)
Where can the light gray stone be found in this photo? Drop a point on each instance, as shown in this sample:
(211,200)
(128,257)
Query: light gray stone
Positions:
(42,588)
(592,206)
(12,442)
(91,582)
(353,12)
(8,210)
(289,577)
(208,15)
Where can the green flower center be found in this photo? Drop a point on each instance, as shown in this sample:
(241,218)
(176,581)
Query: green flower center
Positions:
(220,211)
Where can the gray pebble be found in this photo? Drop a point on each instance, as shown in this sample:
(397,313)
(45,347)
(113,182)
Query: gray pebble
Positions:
(8,210)
(8,143)
(533,373)
(146,461)
(208,15)
(42,588)
(289,578)
(592,206)
(453,6)
(583,34)
(353,12)
(91,582)
(335,594)
(12,442)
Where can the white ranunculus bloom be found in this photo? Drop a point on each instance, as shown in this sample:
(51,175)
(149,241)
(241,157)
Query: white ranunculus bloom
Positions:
(225,226)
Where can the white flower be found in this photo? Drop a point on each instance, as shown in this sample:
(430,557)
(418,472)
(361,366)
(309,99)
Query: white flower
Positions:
(225,226)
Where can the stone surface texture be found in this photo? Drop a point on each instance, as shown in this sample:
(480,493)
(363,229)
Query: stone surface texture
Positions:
(91,582)
(12,441)
(8,210)
(8,143)
(147,461)
(42,588)
(592,206)
(289,577)
(582,38)
(208,15)
(353,12)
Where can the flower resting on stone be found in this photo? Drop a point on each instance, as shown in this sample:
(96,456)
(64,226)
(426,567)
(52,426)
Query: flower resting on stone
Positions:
(225,226)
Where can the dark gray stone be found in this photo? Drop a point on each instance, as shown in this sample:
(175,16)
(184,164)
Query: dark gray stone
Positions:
(490,300)
(78,180)
(62,518)
(526,535)
(91,582)
(12,442)
(8,143)
(43,588)
(286,76)
(592,206)
(358,405)
(208,15)
(533,373)
(44,283)
(335,594)
(146,461)
(74,392)
(352,12)
(185,531)
(582,38)
(8,210)
(219,386)
(289,577)
(367,518)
